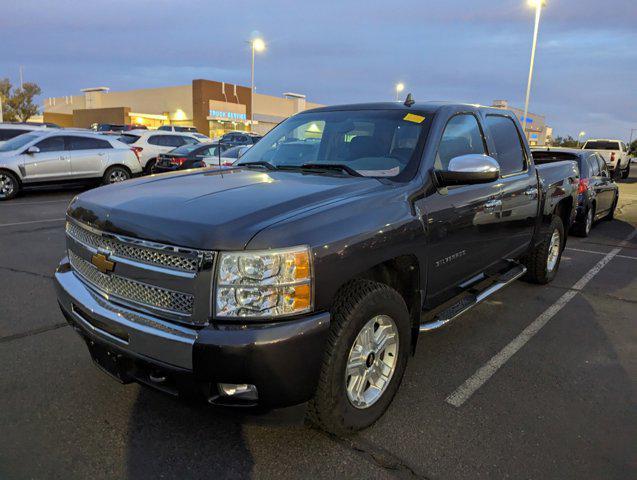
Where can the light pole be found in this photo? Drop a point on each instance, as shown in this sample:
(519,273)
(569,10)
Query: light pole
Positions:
(581,134)
(538,4)
(399,88)
(258,45)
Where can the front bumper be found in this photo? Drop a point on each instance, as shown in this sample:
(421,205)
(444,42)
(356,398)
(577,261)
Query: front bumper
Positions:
(282,359)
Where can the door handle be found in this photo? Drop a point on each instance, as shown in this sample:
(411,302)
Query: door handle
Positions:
(531,192)
(492,205)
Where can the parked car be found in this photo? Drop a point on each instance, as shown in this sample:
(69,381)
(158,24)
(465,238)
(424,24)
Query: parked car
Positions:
(228,157)
(614,153)
(41,158)
(177,128)
(240,138)
(12,130)
(149,144)
(116,128)
(276,283)
(598,194)
(187,156)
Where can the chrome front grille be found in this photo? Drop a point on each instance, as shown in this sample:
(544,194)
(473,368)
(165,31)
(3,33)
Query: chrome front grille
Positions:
(133,291)
(161,255)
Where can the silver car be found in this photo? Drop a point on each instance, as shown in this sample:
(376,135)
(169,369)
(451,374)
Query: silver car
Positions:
(63,156)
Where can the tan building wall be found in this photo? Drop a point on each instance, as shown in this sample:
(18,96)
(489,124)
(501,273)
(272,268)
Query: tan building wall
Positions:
(86,117)
(61,119)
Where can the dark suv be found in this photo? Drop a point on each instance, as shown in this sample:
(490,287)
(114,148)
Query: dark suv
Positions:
(240,138)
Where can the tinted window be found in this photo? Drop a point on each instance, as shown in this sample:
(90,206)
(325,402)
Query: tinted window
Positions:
(508,145)
(190,140)
(166,140)
(462,136)
(165,128)
(187,149)
(51,144)
(85,143)
(601,145)
(128,139)
(8,134)
(232,152)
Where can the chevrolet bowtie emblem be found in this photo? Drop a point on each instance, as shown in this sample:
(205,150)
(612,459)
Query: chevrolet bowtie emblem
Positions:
(102,263)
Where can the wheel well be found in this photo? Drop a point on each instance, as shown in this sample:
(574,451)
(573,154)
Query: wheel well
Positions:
(12,173)
(563,210)
(403,275)
(119,165)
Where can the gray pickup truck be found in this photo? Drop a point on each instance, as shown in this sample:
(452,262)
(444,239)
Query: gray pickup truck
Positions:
(307,272)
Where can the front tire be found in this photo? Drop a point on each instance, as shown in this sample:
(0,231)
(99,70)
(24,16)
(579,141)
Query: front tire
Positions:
(365,359)
(9,185)
(543,260)
(626,171)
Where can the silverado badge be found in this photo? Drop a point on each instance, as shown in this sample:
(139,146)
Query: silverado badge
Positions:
(102,263)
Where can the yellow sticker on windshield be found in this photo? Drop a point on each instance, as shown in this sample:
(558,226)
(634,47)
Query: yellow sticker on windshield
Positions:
(411,117)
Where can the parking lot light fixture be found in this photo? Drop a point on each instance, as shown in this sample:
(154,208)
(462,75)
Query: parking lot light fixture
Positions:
(399,88)
(537,4)
(258,45)
(581,135)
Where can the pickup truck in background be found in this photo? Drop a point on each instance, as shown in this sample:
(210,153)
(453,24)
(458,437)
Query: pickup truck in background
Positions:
(307,271)
(614,153)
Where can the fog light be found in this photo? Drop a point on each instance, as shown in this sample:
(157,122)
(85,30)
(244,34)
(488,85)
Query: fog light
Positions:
(243,391)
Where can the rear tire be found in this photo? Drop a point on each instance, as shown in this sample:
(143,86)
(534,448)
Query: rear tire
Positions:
(611,213)
(356,385)
(115,174)
(148,169)
(626,171)
(543,260)
(584,228)
(9,185)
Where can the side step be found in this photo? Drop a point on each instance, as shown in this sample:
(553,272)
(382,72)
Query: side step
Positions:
(472,299)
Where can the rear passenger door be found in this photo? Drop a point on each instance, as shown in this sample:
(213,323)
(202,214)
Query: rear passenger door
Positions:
(88,156)
(50,164)
(519,185)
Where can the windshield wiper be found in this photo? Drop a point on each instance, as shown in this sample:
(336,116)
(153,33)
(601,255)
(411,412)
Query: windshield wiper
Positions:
(266,165)
(331,166)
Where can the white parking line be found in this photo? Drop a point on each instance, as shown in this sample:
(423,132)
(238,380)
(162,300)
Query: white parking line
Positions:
(599,253)
(33,221)
(484,373)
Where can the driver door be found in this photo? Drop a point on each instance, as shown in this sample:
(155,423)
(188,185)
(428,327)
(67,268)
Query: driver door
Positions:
(51,163)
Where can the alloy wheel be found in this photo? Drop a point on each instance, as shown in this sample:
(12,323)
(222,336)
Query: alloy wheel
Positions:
(372,361)
(554,251)
(7,185)
(117,175)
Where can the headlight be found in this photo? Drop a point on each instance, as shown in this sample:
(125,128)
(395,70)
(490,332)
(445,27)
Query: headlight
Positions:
(267,283)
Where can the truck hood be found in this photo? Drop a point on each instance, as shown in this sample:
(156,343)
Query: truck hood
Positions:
(220,209)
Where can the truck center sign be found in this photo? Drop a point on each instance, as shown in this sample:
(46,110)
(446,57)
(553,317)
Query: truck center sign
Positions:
(225,111)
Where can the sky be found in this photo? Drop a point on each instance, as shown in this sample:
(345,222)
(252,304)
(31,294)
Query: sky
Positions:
(342,51)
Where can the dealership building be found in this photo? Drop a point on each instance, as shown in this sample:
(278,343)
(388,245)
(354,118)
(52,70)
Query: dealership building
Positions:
(537,132)
(212,107)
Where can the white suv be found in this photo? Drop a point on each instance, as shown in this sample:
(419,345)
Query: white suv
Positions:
(62,156)
(149,144)
(615,154)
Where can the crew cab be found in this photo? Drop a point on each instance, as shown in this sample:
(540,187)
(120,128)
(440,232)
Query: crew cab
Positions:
(614,153)
(307,271)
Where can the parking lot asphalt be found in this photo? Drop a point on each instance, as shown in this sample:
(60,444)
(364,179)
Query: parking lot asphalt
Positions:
(546,375)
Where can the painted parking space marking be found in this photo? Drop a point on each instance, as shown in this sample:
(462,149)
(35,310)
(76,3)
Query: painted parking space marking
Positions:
(599,253)
(484,373)
(17,204)
(31,222)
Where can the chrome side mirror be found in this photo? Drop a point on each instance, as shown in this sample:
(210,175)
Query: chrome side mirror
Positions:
(468,170)
(32,150)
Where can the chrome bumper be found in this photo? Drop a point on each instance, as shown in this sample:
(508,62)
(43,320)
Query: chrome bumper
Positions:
(137,333)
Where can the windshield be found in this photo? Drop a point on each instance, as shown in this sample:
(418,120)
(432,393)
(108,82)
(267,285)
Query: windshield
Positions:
(374,143)
(601,145)
(234,152)
(17,142)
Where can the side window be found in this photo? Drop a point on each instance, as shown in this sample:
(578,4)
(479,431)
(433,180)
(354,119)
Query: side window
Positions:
(51,144)
(602,164)
(462,136)
(594,166)
(508,144)
(173,141)
(156,140)
(188,140)
(85,143)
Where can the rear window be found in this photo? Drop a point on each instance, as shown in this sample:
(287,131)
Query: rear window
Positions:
(185,149)
(601,145)
(128,139)
(542,157)
(9,133)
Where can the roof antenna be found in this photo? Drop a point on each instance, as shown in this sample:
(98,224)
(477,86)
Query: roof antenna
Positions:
(410,100)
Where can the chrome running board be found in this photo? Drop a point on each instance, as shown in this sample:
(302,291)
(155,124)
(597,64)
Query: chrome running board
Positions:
(470,301)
